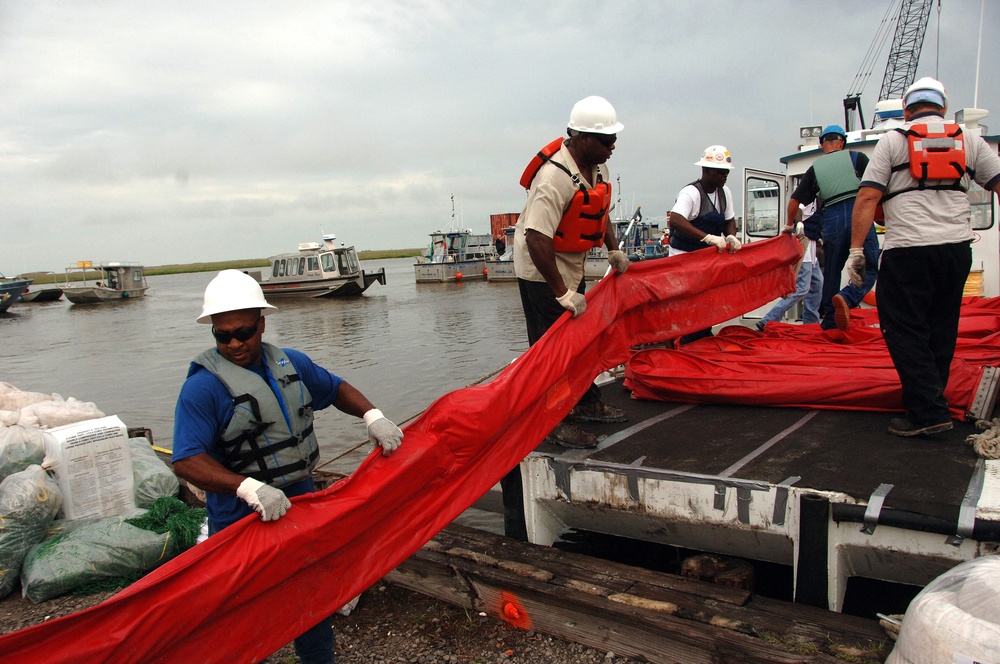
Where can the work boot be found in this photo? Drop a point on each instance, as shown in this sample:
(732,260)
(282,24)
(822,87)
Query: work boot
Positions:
(572,436)
(597,412)
(902,426)
(760,325)
(841,312)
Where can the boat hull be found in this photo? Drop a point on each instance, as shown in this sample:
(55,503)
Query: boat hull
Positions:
(500,271)
(325,288)
(10,292)
(43,295)
(441,272)
(100,295)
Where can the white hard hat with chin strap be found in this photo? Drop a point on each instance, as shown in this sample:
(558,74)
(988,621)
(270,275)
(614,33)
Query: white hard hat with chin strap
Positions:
(232,290)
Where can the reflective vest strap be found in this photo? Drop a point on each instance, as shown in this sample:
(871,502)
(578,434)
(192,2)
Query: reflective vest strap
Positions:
(243,451)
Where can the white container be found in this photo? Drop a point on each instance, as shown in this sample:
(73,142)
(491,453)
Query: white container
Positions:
(92,464)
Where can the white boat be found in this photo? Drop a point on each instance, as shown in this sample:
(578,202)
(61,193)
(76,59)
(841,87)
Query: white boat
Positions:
(317,270)
(765,190)
(118,281)
(455,254)
(42,295)
(46,294)
(816,492)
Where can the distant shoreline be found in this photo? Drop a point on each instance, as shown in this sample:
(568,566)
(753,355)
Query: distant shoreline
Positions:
(44,278)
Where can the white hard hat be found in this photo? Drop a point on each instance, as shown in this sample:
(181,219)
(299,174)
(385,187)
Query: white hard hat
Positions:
(232,290)
(594,115)
(926,89)
(716,156)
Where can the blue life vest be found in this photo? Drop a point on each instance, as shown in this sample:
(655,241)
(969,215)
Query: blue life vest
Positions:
(709,220)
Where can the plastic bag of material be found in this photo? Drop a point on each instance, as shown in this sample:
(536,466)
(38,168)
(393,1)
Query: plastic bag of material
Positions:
(104,549)
(58,412)
(29,500)
(153,478)
(11,398)
(955,618)
(20,447)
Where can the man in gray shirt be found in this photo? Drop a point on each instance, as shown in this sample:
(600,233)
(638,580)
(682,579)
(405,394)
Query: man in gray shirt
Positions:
(926,253)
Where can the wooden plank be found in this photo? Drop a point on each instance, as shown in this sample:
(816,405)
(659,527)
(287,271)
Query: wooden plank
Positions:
(603,573)
(522,584)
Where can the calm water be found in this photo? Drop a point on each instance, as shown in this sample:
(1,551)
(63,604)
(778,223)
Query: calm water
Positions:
(403,345)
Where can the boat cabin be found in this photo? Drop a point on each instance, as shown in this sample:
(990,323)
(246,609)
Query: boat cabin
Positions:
(317,270)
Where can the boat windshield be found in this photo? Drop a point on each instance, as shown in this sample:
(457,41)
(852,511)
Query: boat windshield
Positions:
(347,260)
(329,263)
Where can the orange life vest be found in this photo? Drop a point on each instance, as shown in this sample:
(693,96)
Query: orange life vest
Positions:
(586,217)
(936,152)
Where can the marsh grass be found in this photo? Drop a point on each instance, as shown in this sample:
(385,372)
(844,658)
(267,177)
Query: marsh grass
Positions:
(181,268)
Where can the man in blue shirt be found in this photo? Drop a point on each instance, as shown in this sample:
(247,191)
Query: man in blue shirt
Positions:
(243,425)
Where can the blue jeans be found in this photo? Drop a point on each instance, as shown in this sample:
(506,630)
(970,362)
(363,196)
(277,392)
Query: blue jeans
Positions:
(808,291)
(836,247)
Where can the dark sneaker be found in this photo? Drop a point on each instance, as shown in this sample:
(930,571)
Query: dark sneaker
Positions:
(760,325)
(572,436)
(902,426)
(597,412)
(841,312)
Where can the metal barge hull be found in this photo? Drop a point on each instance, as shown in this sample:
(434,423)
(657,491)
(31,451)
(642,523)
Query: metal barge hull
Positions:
(830,493)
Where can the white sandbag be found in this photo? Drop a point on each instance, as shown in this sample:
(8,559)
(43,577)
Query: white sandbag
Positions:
(20,447)
(11,398)
(152,477)
(93,464)
(58,412)
(11,418)
(954,619)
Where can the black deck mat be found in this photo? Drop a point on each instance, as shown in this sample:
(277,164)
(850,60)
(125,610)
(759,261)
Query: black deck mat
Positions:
(843,451)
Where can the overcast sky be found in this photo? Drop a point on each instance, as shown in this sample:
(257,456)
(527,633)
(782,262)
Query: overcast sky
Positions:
(176,132)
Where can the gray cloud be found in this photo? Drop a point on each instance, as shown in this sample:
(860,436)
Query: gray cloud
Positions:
(199,131)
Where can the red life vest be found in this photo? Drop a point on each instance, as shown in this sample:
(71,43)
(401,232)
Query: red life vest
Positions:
(937,151)
(586,217)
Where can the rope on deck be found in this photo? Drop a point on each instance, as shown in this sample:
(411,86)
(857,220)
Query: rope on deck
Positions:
(987,443)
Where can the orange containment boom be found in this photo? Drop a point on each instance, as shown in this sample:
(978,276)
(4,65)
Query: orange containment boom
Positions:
(247,591)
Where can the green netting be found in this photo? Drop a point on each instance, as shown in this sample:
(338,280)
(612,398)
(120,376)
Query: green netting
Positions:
(169,514)
(110,553)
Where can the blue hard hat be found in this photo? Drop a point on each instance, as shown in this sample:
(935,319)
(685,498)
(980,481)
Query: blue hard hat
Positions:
(833,129)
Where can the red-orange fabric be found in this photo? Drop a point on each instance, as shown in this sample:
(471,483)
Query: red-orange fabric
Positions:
(249,590)
(803,366)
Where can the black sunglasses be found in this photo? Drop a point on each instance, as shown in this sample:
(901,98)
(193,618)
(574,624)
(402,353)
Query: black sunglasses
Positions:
(242,334)
(607,140)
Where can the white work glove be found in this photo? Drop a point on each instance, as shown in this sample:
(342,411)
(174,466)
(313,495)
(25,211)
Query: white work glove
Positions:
(269,502)
(800,230)
(856,266)
(573,302)
(618,260)
(382,432)
(715,241)
(733,244)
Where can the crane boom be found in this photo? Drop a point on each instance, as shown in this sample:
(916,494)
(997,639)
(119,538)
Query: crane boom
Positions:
(901,67)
